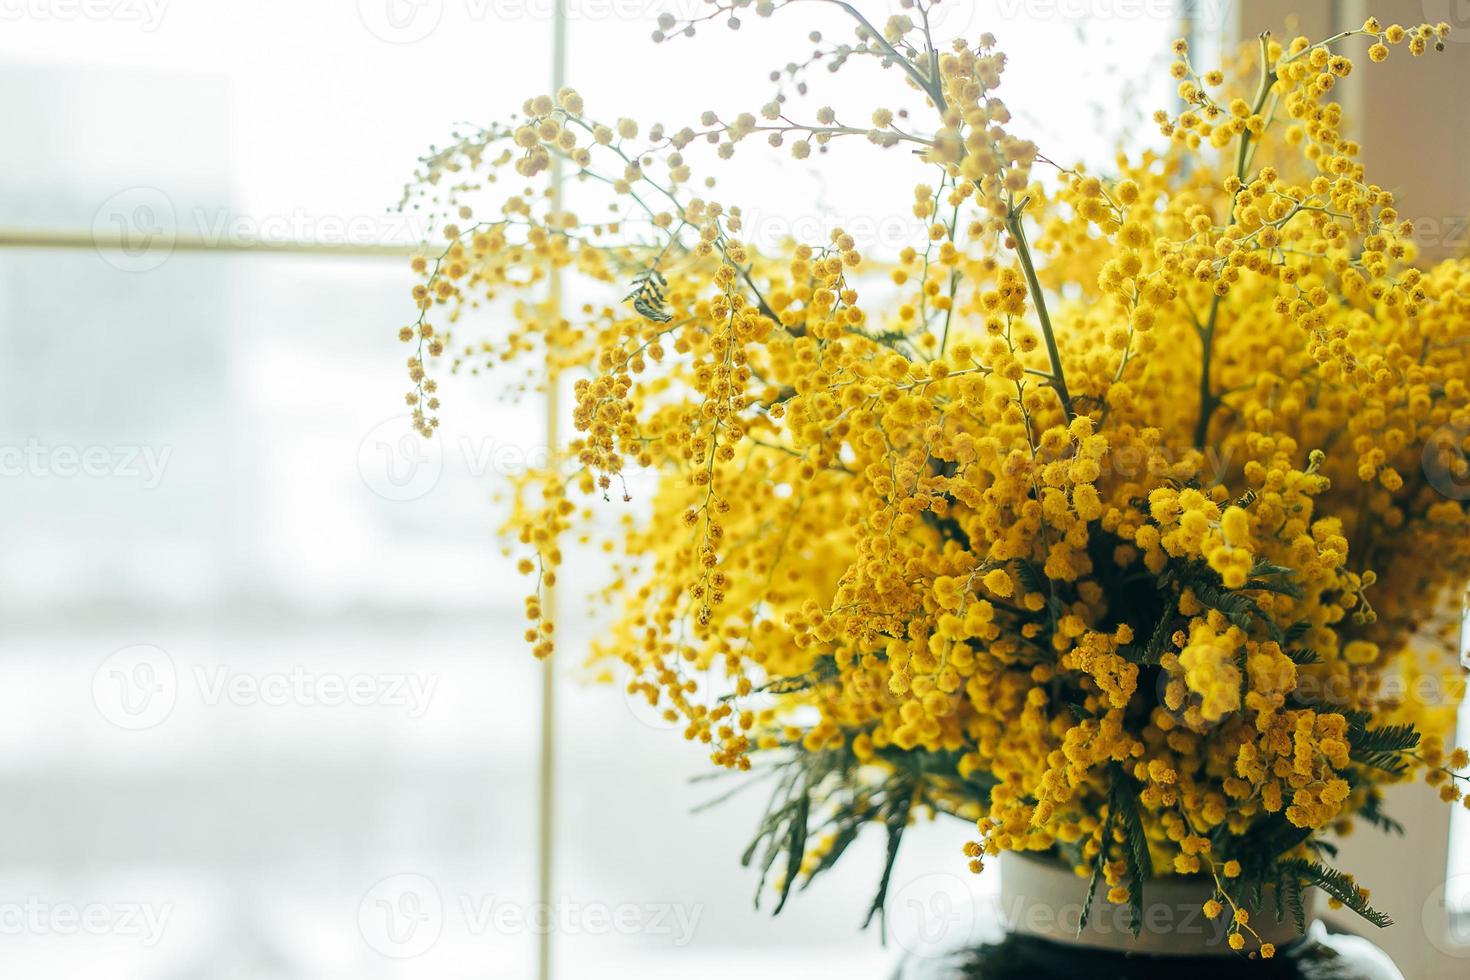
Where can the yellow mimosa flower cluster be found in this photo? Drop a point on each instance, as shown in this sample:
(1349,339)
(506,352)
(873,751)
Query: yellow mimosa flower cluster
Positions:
(1124,515)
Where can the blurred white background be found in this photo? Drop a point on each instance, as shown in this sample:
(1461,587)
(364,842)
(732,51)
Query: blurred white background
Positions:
(262,687)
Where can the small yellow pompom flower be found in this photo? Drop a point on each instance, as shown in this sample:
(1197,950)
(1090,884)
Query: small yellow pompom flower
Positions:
(998,580)
(1235,525)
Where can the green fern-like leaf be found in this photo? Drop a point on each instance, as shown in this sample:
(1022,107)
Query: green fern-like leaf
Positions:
(824,670)
(1382,748)
(1338,885)
(795,846)
(1098,863)
(1388,738)
(895,820)
(1297,630)
(1237,607)
(1289,901)
(647,295)
(1031,580)
(1153,650)
(1123,800)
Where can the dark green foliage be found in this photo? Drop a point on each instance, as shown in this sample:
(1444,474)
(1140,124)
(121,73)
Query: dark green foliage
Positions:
(795,844)
(1336,884)
(825,669)
(1237,607)
(1372,811)
(1098,863)
(817,793)
(1267,577)
(1381,748)
(1123,801)
(1297,630)
(895,819)
(1289,901)
(647,295)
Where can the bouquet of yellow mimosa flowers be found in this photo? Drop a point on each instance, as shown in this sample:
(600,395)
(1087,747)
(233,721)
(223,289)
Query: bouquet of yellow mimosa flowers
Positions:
(1126,521)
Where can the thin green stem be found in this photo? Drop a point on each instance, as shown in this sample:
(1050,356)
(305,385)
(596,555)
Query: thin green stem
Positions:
(930,86)
(1209,401)
(1057,380)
